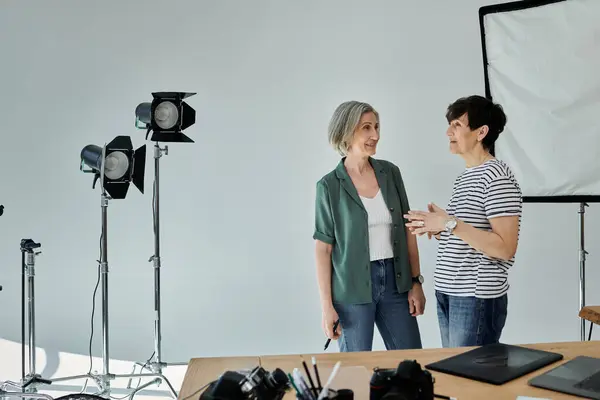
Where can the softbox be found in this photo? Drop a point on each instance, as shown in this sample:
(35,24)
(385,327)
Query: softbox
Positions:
(542,64)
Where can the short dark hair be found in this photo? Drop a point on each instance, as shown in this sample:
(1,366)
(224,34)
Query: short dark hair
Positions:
(480,111)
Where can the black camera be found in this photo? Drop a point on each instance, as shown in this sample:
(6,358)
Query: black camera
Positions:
(257,384)
(407,382)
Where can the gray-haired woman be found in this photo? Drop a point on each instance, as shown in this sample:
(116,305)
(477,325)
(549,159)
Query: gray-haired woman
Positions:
(367,262)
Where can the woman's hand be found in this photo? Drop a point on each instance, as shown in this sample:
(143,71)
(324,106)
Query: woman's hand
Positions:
(329,317)
(433,221)
(416,300)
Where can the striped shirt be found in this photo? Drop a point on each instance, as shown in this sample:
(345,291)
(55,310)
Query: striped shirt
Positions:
(480,193)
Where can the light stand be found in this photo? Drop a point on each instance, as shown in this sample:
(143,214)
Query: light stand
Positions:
(166,116)
(27,388)
(156,364)
(582,256)
(103,380)
(28,254)
(116,165)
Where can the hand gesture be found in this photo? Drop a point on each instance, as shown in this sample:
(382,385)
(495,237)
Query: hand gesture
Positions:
(431,222)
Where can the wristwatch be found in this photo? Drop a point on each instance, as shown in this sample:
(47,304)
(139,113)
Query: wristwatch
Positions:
(451,224)
(418,279)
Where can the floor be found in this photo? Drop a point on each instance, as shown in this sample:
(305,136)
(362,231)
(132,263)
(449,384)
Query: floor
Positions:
(69,365)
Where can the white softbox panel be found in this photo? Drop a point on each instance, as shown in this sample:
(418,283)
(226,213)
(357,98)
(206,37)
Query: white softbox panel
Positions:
(542,64)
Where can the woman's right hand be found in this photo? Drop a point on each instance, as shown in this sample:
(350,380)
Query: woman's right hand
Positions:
(329,317)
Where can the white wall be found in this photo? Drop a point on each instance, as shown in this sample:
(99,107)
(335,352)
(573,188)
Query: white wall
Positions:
(237,205)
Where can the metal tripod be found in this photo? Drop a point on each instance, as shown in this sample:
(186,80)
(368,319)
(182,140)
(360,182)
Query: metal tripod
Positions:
(30,380)
(103,380)
(155,363)
(27,388)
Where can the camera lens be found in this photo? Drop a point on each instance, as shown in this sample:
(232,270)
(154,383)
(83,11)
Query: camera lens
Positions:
(278,378)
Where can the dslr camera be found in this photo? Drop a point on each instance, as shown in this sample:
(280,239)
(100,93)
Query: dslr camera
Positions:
(407,382)
(257,384)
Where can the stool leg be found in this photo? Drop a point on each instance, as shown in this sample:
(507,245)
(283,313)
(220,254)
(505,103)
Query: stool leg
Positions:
(590,334)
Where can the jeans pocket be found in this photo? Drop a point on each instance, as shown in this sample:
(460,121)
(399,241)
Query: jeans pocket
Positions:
(500,313)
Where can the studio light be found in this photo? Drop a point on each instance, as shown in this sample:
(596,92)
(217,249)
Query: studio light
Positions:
(167,116)
(116,165)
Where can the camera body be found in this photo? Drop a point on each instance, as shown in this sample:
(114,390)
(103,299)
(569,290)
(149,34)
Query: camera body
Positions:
(407,382)
(257,384)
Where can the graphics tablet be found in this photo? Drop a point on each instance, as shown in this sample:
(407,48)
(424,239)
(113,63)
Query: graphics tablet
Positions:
(495,363)
(579,377)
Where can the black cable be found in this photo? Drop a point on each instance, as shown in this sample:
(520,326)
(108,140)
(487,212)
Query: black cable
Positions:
(94,309)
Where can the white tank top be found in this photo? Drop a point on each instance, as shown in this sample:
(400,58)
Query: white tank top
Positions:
(380,227)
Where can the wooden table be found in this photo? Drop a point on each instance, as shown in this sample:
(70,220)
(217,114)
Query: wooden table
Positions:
(359,367)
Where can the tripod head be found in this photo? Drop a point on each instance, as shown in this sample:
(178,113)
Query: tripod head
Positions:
(28,245)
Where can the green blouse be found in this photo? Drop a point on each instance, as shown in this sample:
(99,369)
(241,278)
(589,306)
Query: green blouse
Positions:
(341,220)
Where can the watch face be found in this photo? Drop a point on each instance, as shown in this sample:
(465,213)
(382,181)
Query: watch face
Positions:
(451,224)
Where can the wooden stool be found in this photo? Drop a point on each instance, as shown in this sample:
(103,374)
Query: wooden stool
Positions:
(592,314)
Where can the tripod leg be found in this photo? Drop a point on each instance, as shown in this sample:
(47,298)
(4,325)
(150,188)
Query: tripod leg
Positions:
(145,385)
(161,378)
(171,388)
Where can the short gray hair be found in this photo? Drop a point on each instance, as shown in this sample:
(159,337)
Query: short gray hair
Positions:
(343,123)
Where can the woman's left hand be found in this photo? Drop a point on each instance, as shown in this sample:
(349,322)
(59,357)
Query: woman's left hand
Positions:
(421,222)
(416,300)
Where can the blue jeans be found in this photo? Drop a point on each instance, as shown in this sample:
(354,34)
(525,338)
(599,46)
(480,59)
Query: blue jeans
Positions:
(470,321)
(389,310)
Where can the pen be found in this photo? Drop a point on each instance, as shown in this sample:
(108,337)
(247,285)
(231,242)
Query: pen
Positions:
(325,392)
(312,384)
(314,362)
(328,339)
(293,383)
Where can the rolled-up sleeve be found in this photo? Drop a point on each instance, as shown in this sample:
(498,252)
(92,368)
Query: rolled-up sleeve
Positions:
(324,229)
(503,198)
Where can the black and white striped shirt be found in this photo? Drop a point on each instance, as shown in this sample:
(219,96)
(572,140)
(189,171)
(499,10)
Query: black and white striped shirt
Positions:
(480,193)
